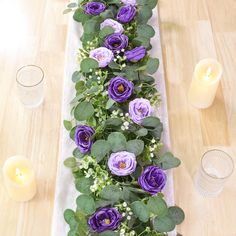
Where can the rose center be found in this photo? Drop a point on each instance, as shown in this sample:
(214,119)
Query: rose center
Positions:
(100,58)
(121,88)
(140,110)
(107,221)
(122,165)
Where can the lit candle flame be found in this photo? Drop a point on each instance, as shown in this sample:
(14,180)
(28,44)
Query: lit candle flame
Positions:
(208,73)
(19,173)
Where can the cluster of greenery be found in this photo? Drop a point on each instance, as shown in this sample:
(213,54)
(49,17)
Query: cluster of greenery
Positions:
(149,215)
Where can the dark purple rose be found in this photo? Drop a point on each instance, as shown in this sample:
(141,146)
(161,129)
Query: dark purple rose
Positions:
(120,89)
(126,14)
(94,8)
(83,140)
(116,42)
(152,180)
(136,54)
(105,219)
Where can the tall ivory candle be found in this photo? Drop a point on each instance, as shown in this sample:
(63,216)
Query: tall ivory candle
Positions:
(19,178)
(206,78)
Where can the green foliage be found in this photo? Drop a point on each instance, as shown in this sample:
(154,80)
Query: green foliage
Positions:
(141,132)
(152,65)
(80,16)
(100,149)
(113,122)
(135,146)
(151,123)
(70,162)
(83,111)
(83,184)
(140,210)
(117,141)
(168,161)
(105,32)
(77,153)
(111,193)
(163,224)
(157,206)
(145,31)
(176,214)
(67,125)
(88,64)
(76,76)
(109,104)
(86,204)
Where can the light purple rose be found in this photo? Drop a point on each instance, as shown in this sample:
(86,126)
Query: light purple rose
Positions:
(129,2)
(102,55)
(118,28)
(122,163)
(139,109)
(136,54)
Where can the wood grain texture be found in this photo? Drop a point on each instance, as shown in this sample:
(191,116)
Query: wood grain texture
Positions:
(191,30)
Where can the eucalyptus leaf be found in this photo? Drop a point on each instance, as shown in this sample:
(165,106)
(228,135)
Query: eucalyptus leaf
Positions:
(69,217)
(117,141)
(157,206)
(108,233)
(83,111)
(146,31)
(168,161)
(67,10)
(80,16)
(83,184)
(111,192)
(109,104)
(113,122)
(141,132)
(152,65)
(100,149)
(86,204)
(67,124)
(72,5)
(107,30)
(70,162)
(77,153)
(176,214)
(76,76)
(91,26)
(140,211)
(135,146)
(151,122)
(144,14)
(146,78)
(163,224)
(88,64)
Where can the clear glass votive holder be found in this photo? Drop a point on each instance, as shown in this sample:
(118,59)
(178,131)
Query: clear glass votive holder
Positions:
(30,80)
(216,167)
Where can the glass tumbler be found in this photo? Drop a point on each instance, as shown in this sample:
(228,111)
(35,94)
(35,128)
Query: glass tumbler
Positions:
(216,167)
(30,85)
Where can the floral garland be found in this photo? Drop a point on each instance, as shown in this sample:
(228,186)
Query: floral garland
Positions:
(118,165)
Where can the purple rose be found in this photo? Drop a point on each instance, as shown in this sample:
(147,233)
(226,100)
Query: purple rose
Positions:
(126,14)
(102,55)
(94,8)
(105,219)
(129,2)
(139,109)
(152,180)
(83,140)
(120,89)
(118,28)
(116,42)
(136,54)
(122,163)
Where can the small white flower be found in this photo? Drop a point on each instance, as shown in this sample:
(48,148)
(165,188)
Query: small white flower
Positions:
(128,209)
(132,233)
(126,123)
(126,114)
(152,155)
(90,77)
(91,70)
(99,82)
(123,214)
(155,146)
(98,78)
(122,128)
(118,52)
(151,149)
(115,60)
(124,204)
(128,217)
(96,73)
(122,50)
(122,231)
(121,114)
(153,140)
(130,213)
(124,65)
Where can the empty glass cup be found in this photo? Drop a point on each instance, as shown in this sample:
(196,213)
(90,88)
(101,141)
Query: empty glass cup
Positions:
(30,85)
(216,167)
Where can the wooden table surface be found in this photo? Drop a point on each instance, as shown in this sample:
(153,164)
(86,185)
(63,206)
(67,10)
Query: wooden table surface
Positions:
(34,32)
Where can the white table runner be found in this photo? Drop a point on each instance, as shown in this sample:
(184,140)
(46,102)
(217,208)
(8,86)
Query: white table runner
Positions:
(65,195)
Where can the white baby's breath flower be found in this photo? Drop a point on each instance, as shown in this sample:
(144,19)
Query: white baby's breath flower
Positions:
(151,155)
(128,217)
(124,204)
(122,128)
(153,140)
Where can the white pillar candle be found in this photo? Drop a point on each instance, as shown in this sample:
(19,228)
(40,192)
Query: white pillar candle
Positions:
(19,178)
(206,78)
